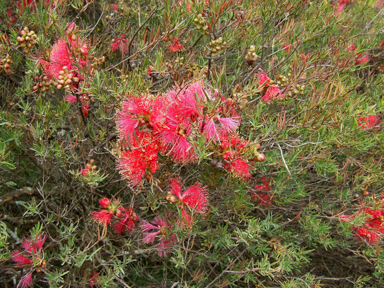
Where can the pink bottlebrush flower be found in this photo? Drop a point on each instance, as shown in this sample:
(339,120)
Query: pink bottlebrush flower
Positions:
(165,245)
(263,79)
(135,112)
(176,47)
(141,159)
(93,279)
(230,124)
(120,43)
(195,197)
(105,202)
(185,220)
(103,217)
(361,59)
(158,224)
(26,281)
(126,220)
(71,99)
(216,126)
(162,226)
(341,5)
(149,238)
(62,53)
(19,258)
(273,92)
(369,122)
(352,47)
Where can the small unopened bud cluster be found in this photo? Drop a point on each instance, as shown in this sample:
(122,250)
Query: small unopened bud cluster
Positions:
(110,16)
(43,83)
(216,164)
(65,79)
(251,56)
(98,61)
(217,45)
(258,157)
(27,40)
(280,81)
(6,64)
(171,198)
(240,99)
(91,165)
(297,90)
(180,61)
(124,78)
(201,24)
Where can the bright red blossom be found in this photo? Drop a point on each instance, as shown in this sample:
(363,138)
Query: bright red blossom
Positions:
(32,250)
(195,197)
(176,47)
(369,122)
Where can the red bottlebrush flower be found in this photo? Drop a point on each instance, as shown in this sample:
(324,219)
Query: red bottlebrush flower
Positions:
(265,186)
(32,249)
(273,92)
(263,199)
(33,245)
(287,47)
(233,147)
(141,159)
(361,59)
(149,72)
(370,236)
(93,279)
(126,222)
(19,258)
(263,79)
(85,171)
(369,122)
(105,202)
(103,217)
(120,43)
(114,7)
(176,47)
(195,197)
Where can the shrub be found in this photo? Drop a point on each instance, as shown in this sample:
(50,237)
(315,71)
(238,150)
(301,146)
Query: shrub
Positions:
(191,143)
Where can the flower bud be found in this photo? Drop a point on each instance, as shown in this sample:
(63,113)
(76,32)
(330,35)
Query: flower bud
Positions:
(59,87)
(261,157)
(105,202)
(118,213)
